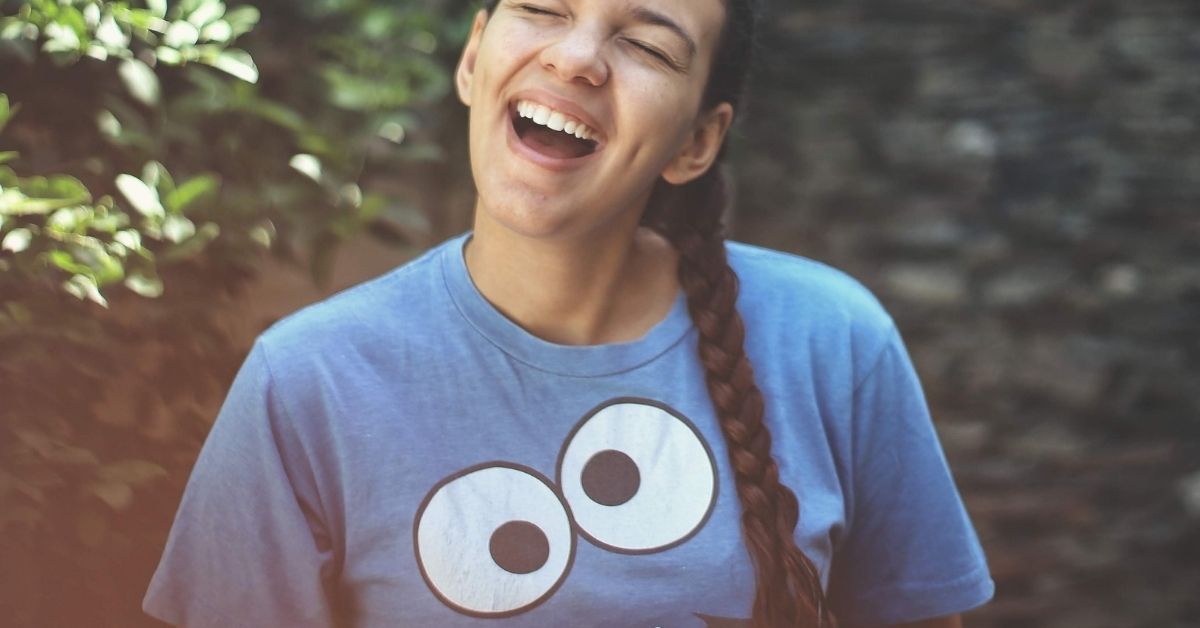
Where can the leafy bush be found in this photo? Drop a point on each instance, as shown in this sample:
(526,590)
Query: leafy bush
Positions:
(151,155)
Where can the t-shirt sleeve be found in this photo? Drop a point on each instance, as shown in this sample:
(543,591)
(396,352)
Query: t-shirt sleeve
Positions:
(910,551)
(245,549)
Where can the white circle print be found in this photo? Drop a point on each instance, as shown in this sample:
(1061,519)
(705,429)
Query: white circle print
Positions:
(638,477)
(494,540)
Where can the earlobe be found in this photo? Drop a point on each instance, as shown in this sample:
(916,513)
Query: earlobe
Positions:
(465,71)
(702,147)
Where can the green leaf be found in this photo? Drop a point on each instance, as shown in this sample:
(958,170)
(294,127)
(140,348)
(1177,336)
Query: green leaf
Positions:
(208,11)
(129,238)
(17,240)
(108,124)
(218,32)
(140,80)
(158,8)
(263,234)
(60,38)
(149,287)
(70,219)
(177,228)
(237,63)
(84,288)
(8,155)
(57,187)
(168,56)
(156,176)
(97,52)
(12,28)
(243,19)
(72,18)
(308,165)
(189,192)
(65,261)
(23,206)
(142,197)
(6,111)
(109,33)
(194,245)
(181,34)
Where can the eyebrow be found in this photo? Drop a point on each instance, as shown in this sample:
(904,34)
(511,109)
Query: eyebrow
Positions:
(650,16)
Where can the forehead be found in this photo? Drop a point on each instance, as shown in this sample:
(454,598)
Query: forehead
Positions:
(702,20)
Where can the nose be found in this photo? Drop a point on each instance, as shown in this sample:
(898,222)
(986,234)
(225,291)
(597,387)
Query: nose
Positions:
(577,55)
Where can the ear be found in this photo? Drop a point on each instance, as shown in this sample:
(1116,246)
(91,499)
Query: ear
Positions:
(702,146)
(466,64)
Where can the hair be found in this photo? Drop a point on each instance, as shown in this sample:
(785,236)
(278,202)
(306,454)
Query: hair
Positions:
(691,216)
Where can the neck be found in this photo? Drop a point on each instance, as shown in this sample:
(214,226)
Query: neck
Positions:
(584,290)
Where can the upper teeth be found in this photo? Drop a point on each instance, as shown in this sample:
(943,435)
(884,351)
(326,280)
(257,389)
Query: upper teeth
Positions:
(547,117)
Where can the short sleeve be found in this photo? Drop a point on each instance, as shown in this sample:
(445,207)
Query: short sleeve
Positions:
(910,551)
(245,548)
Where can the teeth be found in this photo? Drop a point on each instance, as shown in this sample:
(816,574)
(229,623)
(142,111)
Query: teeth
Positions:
(547,117)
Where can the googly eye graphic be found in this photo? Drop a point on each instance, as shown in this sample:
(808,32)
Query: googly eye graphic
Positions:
(638,477)
(494,540)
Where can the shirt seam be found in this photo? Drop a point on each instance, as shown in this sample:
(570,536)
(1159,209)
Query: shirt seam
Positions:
(289,420)
(876,364)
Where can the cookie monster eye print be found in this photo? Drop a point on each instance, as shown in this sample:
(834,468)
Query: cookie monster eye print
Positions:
(494,540)
(638,476)
(497,539)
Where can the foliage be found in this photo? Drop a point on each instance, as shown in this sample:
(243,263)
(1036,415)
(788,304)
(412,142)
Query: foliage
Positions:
(151,153)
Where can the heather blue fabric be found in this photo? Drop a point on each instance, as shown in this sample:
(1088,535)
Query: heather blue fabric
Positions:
(372,445)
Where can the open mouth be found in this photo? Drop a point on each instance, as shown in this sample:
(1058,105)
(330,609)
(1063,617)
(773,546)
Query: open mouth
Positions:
(551,133)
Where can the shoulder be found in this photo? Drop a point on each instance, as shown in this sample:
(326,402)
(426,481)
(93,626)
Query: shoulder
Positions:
(356,322)
(804,291)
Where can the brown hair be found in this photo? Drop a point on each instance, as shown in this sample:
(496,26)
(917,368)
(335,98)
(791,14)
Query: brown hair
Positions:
(788,586)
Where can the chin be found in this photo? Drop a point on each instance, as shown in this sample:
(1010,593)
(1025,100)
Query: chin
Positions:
(532,217)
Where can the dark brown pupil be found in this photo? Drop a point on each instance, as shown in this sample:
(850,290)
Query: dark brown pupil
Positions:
(611,478)
(519,547)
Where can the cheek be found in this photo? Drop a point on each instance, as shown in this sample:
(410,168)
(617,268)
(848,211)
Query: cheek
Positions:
(660,109)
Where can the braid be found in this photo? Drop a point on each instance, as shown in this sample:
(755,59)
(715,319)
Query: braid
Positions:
(789,589)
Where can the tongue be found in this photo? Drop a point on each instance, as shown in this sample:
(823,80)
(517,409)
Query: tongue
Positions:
(553,143)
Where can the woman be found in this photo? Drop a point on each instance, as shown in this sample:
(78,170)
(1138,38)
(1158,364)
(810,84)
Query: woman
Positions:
(553,420)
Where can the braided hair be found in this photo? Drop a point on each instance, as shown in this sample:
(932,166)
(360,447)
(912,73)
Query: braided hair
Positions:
(788,586)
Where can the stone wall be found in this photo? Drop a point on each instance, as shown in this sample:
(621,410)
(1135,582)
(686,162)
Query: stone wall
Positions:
(1019,182)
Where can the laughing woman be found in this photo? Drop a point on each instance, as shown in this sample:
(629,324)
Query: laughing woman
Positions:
(591,410)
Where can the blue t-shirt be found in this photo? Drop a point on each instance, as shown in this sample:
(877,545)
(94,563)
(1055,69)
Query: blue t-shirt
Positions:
(402,454)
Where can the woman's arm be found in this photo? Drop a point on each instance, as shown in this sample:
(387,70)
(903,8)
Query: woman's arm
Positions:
(953,621)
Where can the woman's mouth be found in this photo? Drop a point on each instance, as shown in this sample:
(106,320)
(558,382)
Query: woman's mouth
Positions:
(551,133)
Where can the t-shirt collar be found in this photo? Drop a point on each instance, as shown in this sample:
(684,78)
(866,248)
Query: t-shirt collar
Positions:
(570,360)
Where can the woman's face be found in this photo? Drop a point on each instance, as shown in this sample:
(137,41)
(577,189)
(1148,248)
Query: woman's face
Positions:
(627,75)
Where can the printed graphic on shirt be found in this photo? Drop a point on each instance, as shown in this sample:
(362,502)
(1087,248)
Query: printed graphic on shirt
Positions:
(497,539)
(638,477)
(494,540)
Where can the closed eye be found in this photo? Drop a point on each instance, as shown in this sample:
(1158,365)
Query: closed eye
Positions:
(654,52)
(535,10)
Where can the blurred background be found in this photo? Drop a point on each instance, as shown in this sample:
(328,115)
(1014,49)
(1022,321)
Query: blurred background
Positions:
(1018,181)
